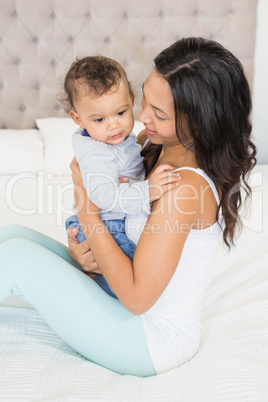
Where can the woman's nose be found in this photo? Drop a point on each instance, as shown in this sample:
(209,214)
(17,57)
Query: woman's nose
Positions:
(144,117)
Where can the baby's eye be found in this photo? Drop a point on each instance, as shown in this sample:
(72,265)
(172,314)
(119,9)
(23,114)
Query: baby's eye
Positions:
(121,113)
(99,120)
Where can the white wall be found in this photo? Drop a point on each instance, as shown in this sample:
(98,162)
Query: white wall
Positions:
(260,93)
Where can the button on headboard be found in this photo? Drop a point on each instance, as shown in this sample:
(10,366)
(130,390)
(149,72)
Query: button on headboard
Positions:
(40,39)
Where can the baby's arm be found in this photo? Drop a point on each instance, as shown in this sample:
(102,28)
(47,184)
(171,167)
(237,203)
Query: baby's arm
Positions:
(100,174)
(107,193)
(162,180)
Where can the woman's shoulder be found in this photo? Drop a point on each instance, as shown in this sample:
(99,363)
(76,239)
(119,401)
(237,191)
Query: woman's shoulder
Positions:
(192,200)
(194,176)
(197,182)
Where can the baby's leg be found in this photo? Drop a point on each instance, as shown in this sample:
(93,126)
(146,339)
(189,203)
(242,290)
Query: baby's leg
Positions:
(73,222)
(117,229)
(74,306)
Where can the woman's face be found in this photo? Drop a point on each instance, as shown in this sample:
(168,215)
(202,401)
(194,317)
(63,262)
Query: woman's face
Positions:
(158,110)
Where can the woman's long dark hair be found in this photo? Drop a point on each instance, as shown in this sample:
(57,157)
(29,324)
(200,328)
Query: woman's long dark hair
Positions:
(211,92)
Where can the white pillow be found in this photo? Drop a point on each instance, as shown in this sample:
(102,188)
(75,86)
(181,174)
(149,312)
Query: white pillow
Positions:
(20,151)
(57,133)
(138,127)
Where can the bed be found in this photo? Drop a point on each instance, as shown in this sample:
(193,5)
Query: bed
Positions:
(39,41)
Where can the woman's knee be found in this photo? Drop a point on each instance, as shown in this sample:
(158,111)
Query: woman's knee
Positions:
(18,244)
(13,230)
(13,227)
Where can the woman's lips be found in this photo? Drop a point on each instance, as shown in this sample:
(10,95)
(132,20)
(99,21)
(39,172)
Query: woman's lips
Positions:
(150,132)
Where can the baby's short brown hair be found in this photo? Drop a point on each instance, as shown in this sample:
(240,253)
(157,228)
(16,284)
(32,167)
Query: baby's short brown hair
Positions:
(93,74)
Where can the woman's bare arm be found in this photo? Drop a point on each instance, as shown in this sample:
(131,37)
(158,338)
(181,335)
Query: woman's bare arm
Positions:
(139,283)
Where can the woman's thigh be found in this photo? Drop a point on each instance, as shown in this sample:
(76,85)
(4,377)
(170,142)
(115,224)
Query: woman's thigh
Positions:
(18,231)
(75,307)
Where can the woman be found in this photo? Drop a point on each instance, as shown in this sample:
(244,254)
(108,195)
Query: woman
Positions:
(196,108)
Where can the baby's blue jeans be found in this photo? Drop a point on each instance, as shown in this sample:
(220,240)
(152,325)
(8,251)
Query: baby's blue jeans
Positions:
(39,269)
(117,229)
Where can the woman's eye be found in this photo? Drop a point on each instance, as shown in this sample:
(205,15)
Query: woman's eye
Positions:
(121,113)
(99,120)
(158,117)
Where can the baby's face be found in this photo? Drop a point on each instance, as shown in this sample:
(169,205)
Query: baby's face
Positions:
(108,118)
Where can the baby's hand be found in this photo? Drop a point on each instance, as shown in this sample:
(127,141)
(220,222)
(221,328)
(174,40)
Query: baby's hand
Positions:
(123,179)
(162,180)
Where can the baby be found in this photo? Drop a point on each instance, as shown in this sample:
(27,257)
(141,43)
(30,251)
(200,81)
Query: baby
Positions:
(100,101)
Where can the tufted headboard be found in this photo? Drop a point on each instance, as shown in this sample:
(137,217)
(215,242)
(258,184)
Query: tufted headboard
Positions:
(40,39)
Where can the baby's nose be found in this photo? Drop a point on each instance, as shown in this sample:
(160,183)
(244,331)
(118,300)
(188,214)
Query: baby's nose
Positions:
(113,124)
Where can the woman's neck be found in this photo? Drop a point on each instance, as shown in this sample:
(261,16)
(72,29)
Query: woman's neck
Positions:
(177,156)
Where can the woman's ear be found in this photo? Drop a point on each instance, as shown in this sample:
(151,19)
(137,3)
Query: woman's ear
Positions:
(75,116)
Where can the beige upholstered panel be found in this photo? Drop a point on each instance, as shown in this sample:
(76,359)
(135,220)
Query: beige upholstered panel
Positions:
(40,38)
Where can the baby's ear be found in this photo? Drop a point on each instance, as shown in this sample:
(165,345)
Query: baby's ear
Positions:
(76,118)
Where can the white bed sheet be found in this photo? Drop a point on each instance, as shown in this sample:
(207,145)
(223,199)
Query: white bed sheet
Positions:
(232,362)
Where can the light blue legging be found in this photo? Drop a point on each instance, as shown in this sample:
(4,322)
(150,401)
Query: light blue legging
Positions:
(40,270)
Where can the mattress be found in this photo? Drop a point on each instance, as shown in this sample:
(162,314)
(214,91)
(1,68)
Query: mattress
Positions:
(232,361)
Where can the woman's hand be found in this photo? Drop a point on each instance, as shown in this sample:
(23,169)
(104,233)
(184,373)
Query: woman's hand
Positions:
(83,204)
(81,254)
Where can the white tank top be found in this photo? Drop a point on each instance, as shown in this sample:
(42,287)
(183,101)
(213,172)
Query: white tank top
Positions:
(172,326)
